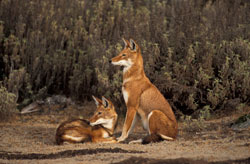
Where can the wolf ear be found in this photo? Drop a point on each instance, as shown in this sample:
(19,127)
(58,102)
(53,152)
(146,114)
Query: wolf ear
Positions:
(105,102)
(132,45)
(126,43)
(97,101)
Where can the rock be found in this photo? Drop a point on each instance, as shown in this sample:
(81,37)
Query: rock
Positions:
(242,122)
(61,100)
(33,107)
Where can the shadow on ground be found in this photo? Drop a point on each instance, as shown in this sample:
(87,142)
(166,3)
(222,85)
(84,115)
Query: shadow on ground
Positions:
(139,160)
(62,154)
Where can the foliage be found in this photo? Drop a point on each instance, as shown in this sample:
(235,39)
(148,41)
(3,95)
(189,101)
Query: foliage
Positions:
(197,52)
(193,125)
(7,103)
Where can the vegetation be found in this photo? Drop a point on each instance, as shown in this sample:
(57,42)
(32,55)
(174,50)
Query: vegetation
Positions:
(7,104)
(197,52)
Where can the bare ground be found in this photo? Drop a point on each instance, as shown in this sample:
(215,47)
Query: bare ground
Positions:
(30,138)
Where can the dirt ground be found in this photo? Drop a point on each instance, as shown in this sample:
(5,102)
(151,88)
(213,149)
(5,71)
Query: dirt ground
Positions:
(30,138)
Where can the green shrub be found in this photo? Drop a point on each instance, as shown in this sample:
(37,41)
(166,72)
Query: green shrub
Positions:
(196,52)
(7,104)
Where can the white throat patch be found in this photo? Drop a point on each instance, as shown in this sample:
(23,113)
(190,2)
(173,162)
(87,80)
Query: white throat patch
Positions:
(107,123)
(126,63)
(128,66)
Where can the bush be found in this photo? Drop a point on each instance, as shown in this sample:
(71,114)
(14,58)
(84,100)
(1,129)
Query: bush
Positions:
(196,52)
(7,103)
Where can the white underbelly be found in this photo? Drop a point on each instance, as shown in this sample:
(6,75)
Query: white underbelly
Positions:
(144,119)
(145,124)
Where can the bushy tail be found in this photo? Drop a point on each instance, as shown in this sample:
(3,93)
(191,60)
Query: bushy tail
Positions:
(59,139)
(151,138)
(155,138)
(59,134)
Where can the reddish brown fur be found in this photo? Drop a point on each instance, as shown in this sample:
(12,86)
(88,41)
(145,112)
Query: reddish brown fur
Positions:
(142,97)
(80,130)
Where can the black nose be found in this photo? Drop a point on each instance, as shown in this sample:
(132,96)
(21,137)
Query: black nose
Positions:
(110,61)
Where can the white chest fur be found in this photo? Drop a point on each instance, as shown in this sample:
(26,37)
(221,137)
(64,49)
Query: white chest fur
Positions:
(125,95)
(124,92)
(105,134)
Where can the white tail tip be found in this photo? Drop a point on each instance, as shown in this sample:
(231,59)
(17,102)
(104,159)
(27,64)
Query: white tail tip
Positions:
(166,137)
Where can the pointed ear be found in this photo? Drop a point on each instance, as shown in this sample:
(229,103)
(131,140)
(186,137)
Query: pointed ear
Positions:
(97,101)
(126,43)
(133,45)
(105,102)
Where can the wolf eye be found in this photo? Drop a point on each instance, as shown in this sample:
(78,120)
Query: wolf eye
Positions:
(123,54)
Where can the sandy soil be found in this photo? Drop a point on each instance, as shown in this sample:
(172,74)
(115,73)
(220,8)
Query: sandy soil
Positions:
(30,138)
